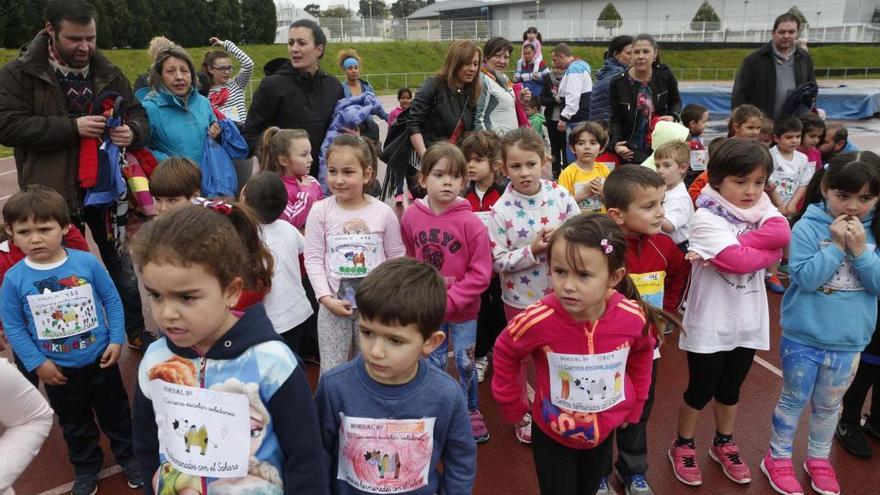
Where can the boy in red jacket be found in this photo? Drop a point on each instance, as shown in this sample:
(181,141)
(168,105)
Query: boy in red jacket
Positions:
(634,199)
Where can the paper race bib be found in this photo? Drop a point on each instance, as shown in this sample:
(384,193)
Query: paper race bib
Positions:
(385,455)
(64,313)
(587,383)
(590,203)
(203,432)
(785,185)
(354,255)
(484,217)
(699,159)
(650,286)
(845,278)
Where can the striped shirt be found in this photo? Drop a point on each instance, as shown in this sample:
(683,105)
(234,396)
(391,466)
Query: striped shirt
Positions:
(234,108)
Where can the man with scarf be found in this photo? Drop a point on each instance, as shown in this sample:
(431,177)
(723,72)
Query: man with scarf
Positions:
(49,115)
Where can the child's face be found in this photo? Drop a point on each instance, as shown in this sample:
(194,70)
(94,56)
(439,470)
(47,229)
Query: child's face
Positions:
(748,129)
(744,191)
(766,138)
(298,159)
(479,168)
(672,172)
(188,303)
(811,139)
(405,100)
(697,127)
(523,167)
(788,141)
(530,110)
(587,148)
(345,175)
(40,240)
(442,184)
(843,203)
(392,352)
(581,289)
(164,204)
(645,212)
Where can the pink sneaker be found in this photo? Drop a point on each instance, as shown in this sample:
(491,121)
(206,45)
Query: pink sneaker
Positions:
(780,474)
(478,425)
(823,479)
(684,465)
(727,455)
(524,433)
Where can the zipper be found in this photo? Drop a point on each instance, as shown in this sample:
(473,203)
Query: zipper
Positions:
(591,347)
(203,364)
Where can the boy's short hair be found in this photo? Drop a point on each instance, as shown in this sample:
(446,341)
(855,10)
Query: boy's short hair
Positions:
(38,203)
(176,176)
(692,113)
(677,151)
(266,195)
(593,128)
(403,291)
(767,126)
(482,144)
(534,102)
(787,124)
(620,186)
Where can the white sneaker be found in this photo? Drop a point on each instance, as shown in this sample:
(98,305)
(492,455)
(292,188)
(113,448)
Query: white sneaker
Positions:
(481,364)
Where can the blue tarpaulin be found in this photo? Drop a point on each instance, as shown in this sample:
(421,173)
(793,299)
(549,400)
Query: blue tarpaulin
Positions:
(839,103)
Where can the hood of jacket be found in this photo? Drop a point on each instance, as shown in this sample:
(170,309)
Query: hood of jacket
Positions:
(254,327)
(460,204)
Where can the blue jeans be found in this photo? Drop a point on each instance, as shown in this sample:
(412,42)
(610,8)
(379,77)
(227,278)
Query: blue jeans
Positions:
(810,375)
(569,153)
(464,335)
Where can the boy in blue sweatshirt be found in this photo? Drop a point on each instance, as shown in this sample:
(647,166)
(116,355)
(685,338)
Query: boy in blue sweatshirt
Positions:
(388,417)
(64,319)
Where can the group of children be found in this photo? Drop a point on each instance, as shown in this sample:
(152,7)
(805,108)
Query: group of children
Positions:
(581,279)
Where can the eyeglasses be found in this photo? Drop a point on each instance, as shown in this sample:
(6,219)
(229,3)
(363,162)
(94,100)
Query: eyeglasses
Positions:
(225,68)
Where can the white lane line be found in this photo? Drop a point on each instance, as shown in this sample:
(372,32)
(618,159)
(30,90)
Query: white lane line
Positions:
(9,172)
(773,369)
(110,471)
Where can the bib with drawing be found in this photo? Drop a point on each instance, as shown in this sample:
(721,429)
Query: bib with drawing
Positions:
(650,286)
(354,255)
(587,383)
(590,203)
(385,455)
(845,278)
(202,432)
(699,159)
(64,313)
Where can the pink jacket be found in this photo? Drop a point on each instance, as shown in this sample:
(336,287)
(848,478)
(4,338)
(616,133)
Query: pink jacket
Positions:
(456,243)
(757,249)
(546,327)
(300,198)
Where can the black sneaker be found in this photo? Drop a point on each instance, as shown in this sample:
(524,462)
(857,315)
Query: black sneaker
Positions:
(132,475)
(85,485)
(872,429)
(852,439)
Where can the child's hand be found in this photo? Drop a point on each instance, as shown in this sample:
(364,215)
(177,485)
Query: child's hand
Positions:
(111,355)
(693,257)
(621,149)
(856,240)
(339,307)
(596,187)
(50,374)
(582,193)
(539,245)
(838,232)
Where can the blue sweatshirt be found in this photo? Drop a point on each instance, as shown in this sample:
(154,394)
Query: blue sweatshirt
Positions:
(249,364)
(67,312)
(832,301)
(388,443)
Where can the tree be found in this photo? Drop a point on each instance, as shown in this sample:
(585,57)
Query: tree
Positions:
(259,19)
(20,21)
(797,13)
(226,20)
(609,18)
(313,9)
(706,18)
(375,9)
(338,12)
(403,8)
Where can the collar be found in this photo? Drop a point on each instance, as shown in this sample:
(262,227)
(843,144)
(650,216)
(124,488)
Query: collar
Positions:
(60,65)
(780,57)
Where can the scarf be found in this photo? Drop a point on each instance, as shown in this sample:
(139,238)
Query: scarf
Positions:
(60,65)
(713,201)
(779,57)
(498,77)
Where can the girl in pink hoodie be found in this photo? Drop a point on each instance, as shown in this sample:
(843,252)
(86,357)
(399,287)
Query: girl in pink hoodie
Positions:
(289,153)
(592,341)
(441,230)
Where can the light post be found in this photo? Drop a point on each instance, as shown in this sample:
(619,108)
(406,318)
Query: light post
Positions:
(371,20)
(745,7)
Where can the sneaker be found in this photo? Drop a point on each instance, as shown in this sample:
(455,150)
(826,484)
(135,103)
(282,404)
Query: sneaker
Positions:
(684,465)
(780,474)
(478,425)
(872,429)
(85,485)
(852,439)
(132,475)
(774,284)
(524,433)
(605,487)
(727,454)
(481,364)
(635,484)
(823,479)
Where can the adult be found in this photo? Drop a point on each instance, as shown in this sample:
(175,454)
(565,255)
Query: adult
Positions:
(350,63)
(552,110)
(157,44)
(769,74)
(531,72)
(497,105)
(617,61)
(180,117)
(836,141)
(640,96)
(296,93)
(574,91)
(45,114)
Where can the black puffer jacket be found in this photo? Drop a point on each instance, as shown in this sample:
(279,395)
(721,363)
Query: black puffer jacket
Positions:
(756,79)
(667,101)
(435,112)
(292,99)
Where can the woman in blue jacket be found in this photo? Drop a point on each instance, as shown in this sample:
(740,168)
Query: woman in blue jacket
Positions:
(617,61)
(180,117)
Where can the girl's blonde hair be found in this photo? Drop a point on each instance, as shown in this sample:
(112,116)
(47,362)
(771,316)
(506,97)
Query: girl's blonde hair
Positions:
(740,115)
(275,144)
(524,138)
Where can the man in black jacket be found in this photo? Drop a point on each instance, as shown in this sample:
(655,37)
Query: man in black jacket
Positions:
(770,73)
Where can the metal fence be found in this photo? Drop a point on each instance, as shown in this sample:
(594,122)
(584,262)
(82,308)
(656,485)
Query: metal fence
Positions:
(576,30)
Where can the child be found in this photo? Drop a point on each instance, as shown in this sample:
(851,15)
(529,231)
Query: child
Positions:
(765,137)
(695,117)
(286,303)
(584,178)
(536,117)
(64,319)
(745,122)
(634,197)
(850,432)
(404,100)
(791,170)
(174,183)
(520,226)
(441,230)
(672,161)
(531,70)
(347,235)
(288,152)
(194,262)
(665,132)
(739,232)
(828,314)
(561,333)
(391,388)
(812,135)
(533,38)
